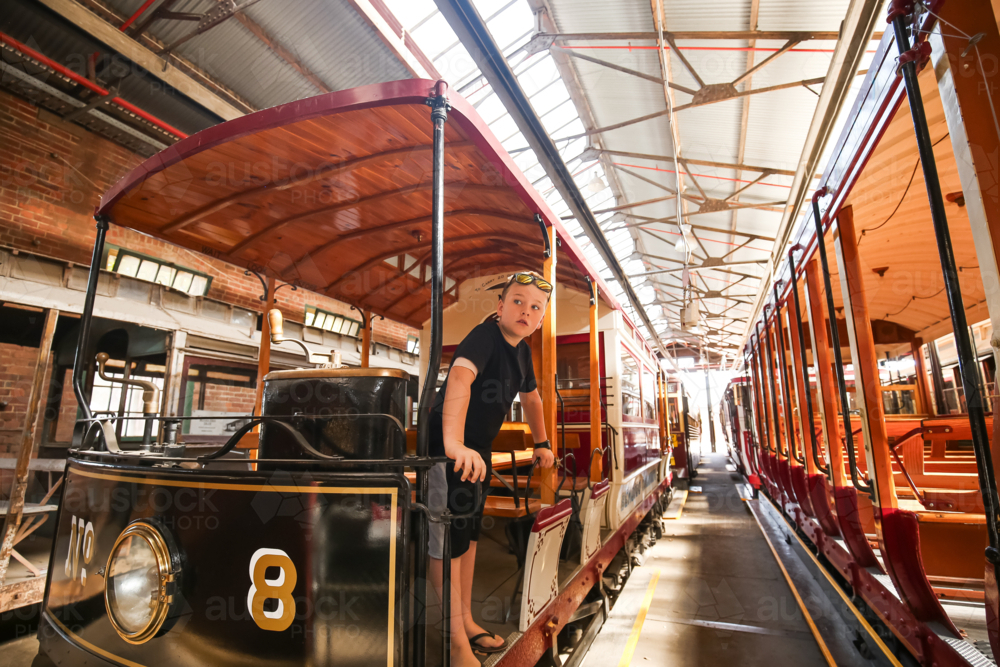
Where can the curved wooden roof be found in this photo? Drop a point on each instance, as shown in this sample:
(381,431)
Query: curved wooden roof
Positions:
(333,193)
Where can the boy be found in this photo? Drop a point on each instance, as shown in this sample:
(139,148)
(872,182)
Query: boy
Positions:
(489,366)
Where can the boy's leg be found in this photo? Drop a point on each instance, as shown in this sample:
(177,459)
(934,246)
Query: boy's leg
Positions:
(461,651)
(468,565)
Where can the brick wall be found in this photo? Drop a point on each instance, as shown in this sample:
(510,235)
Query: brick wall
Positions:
(18,364)
(224,398)
(52,175)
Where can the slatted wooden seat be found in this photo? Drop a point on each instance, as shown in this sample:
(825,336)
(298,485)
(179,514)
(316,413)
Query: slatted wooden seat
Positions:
(504,507)
(513,439)
(572,483)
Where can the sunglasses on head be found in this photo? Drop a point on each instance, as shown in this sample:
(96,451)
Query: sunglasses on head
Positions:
(528,279)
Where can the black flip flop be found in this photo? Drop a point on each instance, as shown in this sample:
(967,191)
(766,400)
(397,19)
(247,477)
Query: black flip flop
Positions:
(479,648)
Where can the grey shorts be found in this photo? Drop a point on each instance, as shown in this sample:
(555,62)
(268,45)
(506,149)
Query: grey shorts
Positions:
(446,489)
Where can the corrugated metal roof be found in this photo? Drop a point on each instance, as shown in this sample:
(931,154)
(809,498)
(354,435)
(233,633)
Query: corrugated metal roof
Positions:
(325,36)
(33,24)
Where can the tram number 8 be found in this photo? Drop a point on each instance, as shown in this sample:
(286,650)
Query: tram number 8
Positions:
(278,589)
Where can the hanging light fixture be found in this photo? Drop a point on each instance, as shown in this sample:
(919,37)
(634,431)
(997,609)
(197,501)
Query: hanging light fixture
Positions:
(596,184)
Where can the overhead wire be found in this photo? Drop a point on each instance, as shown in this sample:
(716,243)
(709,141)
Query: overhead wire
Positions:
(901,199)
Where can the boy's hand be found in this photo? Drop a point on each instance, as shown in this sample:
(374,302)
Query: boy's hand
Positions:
(544,458)
(469,462)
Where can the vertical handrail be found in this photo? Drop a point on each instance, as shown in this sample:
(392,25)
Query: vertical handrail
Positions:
(87,317)
(966,356)
(757,359)
(439,116)
(779,333)
(809,419)
(775,414)
(838,357)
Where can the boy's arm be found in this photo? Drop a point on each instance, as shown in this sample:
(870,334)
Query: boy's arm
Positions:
(531,404)
(454,410)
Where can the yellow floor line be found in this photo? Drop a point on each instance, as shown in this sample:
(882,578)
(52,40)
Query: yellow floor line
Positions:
(812,625)
(633,638)
(850,605)
(684,499)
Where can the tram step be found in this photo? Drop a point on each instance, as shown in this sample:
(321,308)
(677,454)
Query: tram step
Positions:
(969,652)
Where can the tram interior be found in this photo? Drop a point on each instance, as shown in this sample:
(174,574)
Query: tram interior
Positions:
(934,475)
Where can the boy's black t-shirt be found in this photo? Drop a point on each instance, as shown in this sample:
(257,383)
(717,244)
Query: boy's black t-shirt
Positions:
(504,371)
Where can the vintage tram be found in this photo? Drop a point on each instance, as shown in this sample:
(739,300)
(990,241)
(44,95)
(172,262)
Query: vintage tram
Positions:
(301,540)
(865,411)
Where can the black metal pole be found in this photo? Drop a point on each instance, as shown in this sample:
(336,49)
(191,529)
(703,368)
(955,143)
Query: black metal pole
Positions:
(775,413)
(763,399)
(807,419)
(446,591)
(439,116)
(755,429)
(838,357)
(687,432)
(81,361)
(708,399)
(779,334)
(966,356)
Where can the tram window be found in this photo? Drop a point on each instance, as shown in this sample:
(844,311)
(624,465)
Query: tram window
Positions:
(328,321)
(211,388)
(573,365)
(648,394)
(413,345)
(106,397)
(151,269)
(630,385)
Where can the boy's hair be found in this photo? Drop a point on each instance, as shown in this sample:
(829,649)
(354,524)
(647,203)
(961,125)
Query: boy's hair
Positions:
(510,283)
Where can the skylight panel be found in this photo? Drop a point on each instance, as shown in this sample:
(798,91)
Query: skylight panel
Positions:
(435,33)
(549,97)
(511,23)
(491,109)
(539,74)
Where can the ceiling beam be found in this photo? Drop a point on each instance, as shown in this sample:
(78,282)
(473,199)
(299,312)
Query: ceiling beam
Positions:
(742,35)
(475,36)
(702,163)
(279,50)
(396,39)
(745,113)
(857,28)
(625,70)
(164,70)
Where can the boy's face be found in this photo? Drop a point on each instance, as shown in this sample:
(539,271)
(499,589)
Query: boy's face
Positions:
(522,310)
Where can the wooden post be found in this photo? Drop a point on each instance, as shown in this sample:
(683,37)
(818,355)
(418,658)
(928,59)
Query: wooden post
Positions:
(823,363)
(596,426)
(666,409)
(864,360)
(549,402)
(661,408)
(801,387)
(777,423)
(765,395)
(923,391)
(24,453)
(263,358)
(366,336)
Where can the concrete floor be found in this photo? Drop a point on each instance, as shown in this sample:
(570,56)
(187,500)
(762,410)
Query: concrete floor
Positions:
(719,596)
(19,652)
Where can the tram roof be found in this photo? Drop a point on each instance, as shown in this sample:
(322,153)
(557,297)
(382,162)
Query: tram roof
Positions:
(333,192)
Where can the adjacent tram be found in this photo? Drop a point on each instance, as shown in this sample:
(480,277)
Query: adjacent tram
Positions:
(865,412)
(301,539)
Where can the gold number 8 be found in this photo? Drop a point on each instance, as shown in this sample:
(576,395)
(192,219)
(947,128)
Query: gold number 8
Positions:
(279,588)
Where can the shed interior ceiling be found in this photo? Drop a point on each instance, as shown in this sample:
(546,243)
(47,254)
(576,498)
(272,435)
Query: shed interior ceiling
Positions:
(737,156)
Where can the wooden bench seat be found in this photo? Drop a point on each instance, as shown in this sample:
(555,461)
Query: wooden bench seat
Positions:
(504,507)
(572,483)
(926,516)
